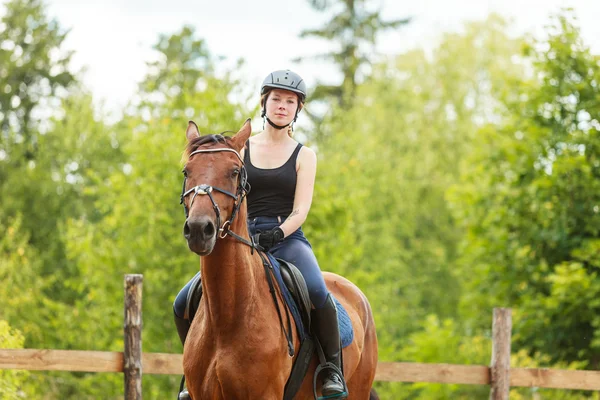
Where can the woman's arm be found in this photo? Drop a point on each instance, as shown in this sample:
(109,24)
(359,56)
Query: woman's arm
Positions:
(305,185)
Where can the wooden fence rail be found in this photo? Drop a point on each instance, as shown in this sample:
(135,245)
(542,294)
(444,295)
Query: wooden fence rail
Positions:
(499,376)
(170,364)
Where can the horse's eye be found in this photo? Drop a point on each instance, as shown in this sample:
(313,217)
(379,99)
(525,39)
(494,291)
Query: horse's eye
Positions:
(184,173)
(235,173)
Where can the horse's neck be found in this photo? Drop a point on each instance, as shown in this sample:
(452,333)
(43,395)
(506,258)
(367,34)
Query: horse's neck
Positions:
(229,276)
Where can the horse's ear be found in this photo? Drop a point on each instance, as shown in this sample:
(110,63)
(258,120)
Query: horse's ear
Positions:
(192,131)
(239,139)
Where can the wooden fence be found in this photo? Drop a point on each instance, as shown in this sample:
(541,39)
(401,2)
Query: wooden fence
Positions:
(132,361)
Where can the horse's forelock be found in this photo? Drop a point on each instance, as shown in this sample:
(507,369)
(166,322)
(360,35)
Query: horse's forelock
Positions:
(200,141)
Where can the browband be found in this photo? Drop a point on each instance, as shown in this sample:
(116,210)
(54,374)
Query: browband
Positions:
(216,150)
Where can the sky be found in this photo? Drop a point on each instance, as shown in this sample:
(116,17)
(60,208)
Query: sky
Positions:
(113,39)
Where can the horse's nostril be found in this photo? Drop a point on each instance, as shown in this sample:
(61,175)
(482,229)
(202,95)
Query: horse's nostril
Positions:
(199,229)
(209,229)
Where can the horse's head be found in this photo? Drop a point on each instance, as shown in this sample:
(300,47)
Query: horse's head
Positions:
(214,186)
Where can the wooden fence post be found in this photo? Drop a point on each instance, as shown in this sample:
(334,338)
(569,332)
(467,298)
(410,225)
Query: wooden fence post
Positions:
(500,366)
(132,355)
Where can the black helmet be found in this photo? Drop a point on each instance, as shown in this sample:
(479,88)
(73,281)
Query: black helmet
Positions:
(287,80)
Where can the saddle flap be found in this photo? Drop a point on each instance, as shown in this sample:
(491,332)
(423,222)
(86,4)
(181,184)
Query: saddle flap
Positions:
(294,281)
(193,298)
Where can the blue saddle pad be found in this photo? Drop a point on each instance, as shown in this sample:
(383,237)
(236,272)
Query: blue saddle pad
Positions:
(346,331)
(344,323)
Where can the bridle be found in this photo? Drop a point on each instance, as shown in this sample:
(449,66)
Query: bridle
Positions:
(204,189)
(242,190)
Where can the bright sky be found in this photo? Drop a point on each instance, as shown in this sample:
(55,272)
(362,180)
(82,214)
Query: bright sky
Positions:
(113,38)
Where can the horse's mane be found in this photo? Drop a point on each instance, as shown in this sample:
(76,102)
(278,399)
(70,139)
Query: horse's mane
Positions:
(196,143)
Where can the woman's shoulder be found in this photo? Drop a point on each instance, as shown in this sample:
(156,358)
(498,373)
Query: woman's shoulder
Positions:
(303,148)
(307,154)
(254,138)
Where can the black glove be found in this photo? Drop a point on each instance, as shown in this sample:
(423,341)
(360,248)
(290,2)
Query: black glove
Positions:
(268,239)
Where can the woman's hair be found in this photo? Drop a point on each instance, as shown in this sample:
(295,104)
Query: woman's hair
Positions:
(263,100)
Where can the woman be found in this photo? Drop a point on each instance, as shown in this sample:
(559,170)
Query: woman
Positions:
(282,173)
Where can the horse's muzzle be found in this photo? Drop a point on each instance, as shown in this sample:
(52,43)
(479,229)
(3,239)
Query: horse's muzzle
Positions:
(201,234)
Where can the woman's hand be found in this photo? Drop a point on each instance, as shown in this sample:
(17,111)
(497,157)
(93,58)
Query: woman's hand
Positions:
(268,239)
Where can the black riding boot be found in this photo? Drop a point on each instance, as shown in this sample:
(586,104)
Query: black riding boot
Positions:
(325,327)
(183,326)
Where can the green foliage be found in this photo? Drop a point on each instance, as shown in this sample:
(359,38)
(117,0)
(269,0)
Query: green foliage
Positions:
(37,200)
(521,359)
(380,214)
(11,382)
(34,64)
(17,299)
(17,269)
(444,342)
(45,165)
(529,199)
(33,71)
(185,70)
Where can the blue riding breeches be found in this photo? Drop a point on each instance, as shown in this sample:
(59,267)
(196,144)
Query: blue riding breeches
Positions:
(295,249)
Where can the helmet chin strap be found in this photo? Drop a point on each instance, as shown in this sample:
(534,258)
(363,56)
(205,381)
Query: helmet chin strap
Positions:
(274,125)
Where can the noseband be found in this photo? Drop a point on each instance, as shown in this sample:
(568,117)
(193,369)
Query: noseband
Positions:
(205,189)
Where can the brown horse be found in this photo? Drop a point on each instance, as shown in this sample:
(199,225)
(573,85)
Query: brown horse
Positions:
(236,348)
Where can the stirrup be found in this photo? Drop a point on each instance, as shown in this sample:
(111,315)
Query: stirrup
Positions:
(333,386)
(341,395)
(183,394)
(335,369)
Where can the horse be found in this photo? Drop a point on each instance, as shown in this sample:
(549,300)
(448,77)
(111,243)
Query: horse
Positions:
(236,347)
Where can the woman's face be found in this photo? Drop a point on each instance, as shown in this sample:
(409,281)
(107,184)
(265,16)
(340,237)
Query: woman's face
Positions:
(281,106)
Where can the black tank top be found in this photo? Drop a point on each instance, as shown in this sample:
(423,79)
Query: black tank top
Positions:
(272,190)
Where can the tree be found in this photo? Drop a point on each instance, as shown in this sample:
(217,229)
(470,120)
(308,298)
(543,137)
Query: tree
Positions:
(354,29)
(48,134)
(34,71)
(185,70)
(529,200)
(45,287)
(380,214)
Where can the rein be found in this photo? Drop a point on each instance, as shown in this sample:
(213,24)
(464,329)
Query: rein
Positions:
(242,190)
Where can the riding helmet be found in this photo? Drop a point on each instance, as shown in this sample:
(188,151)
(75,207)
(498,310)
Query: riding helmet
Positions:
(287,80)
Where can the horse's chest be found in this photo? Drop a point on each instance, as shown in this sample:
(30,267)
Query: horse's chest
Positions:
(250,376)
(239,370)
